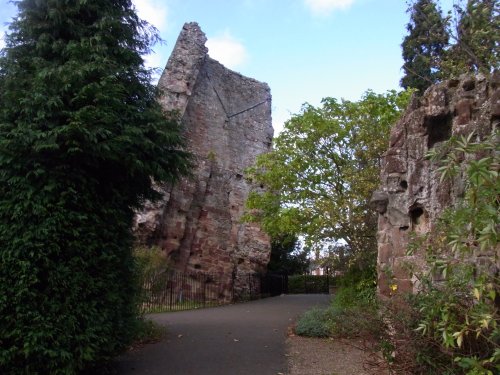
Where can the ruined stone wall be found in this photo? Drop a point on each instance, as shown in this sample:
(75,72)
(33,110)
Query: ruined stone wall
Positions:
(412,197)
(227,122)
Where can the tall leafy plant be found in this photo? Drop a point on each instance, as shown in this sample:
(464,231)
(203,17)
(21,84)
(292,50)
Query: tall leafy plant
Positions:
(288,255)
(457,308)
(81,137)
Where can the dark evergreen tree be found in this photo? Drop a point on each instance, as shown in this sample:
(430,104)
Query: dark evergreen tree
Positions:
(476,37)
(288,256)
(81,137)
(423,47)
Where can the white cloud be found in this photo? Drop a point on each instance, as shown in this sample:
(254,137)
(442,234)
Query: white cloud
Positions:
(153,60)
(227,50)
(156,62)
(156,13)
(325,7)
(153,11)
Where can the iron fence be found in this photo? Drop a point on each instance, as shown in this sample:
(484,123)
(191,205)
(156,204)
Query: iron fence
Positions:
(310,284)
(175,291)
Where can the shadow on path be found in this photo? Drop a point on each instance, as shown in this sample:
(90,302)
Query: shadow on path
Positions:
(243,339)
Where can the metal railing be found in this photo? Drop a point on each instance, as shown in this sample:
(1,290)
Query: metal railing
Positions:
(175,291)
(310,284)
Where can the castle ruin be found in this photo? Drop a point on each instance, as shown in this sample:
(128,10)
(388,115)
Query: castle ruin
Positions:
(226,118)
(412,195)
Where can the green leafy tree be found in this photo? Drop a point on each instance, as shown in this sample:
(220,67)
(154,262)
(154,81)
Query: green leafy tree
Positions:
(81,137)
(335,257)
(424,46)
(287,255)
(323,171)
(476,33)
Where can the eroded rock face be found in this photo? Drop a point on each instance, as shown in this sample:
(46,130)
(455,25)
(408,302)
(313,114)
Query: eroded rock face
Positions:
(227,121)
(412,197)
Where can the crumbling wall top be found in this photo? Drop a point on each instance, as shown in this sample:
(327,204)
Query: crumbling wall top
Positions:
(183,67)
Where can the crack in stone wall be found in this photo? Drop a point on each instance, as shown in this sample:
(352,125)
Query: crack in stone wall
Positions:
(227,123)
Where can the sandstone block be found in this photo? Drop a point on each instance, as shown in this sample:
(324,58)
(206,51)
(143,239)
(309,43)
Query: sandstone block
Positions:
(495,104)
(463,111)
(384,253)
(379,201)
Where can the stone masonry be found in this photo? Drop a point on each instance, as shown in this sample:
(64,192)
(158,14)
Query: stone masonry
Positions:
(227,123)
(412,197)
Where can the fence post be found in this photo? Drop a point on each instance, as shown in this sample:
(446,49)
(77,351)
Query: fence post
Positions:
(233,277)
(250,288)
(171,283)
(262,284)
(285,283)
(327,280)
(204,289)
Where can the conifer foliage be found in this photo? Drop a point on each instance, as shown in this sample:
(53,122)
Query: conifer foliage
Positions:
(437,48)
(423,47)
(476,33)
(81,136)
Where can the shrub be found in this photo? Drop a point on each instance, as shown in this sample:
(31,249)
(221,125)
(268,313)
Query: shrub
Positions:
(148,331)
(150,262)
(352,313)
(314,323)
(152,275)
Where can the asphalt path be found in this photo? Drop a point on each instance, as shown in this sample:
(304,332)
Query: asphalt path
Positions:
(242,339)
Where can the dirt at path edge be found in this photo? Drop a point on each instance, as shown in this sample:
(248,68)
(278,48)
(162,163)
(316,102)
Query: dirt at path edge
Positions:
(313,356)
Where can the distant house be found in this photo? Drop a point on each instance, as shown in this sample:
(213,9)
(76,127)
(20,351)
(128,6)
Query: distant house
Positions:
(316,269)
(320,270)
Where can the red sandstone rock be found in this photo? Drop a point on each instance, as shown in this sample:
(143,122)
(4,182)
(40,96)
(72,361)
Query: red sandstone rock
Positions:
(227,122)
(413,194)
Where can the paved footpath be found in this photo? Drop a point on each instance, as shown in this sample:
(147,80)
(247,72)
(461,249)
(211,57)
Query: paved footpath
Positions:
(242,339)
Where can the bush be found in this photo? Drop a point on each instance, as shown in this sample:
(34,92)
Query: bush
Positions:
(150,262)
(147,332)
(353,311)
(152,275)
(314,323)
(341,319)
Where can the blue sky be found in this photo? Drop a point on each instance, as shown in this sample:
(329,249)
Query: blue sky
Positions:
(304,49)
